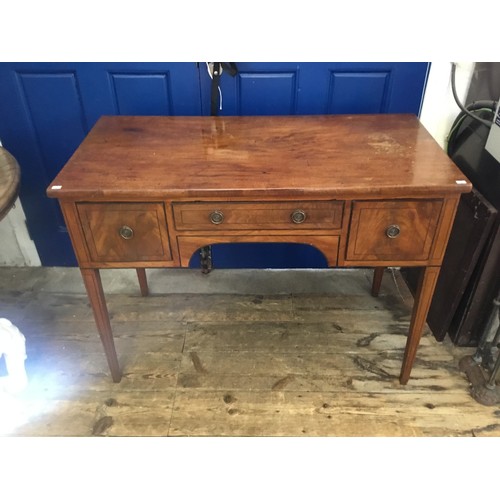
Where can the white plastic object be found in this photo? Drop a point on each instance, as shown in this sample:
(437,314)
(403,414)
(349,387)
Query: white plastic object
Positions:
(13,348)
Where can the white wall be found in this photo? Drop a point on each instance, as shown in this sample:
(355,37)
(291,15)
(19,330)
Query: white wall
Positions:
(16,247)
(439,110)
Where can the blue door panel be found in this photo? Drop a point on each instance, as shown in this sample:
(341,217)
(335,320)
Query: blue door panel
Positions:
(354,92)
(265,94)
(139,89)
(54,110)
(46,109)
(326,87)
(142,94)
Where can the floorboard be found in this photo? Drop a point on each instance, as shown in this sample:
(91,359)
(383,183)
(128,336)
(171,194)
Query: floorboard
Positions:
(261,356)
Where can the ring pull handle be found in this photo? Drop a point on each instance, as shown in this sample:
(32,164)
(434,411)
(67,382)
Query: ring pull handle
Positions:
(393,231)
(216,217)
(298,216)
(126,232)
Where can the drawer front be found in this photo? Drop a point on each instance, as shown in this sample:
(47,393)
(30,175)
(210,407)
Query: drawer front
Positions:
(255,216)
(392,230)
(326,243)
(125,232)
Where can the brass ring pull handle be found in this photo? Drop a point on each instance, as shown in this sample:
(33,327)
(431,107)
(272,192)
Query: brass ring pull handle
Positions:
(216,217)
(126,232)
(298,216)
(393,231)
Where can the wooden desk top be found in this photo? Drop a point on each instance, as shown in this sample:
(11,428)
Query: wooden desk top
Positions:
(320,156)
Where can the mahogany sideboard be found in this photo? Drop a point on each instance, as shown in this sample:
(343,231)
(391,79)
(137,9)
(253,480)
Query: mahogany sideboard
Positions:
(366,190)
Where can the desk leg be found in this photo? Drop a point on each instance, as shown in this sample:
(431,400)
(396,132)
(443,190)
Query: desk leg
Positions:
(378,274)
(423,297)
(143,281)
(92,280)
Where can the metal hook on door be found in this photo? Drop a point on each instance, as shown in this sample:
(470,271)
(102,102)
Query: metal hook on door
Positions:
(215,70)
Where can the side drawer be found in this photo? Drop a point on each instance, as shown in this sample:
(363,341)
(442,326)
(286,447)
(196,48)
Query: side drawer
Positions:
(392,230)
(125,232)
(255,216)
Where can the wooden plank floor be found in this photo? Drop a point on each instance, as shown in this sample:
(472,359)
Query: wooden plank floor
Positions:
(233,364)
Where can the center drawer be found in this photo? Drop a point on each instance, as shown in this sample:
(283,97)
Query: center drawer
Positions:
(255,216)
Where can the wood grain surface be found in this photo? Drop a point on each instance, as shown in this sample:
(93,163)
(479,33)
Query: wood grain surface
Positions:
(320,156)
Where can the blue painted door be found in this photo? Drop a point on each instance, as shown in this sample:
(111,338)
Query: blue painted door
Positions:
(46,109)
(319,88)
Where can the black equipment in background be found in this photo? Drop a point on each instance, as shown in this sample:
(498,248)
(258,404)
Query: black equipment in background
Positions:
(215,70)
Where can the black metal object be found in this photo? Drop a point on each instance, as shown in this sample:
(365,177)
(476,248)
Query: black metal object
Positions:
(206,259)
(218,68)
(486,359)
(474,308)
(481,389)
(468,239)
